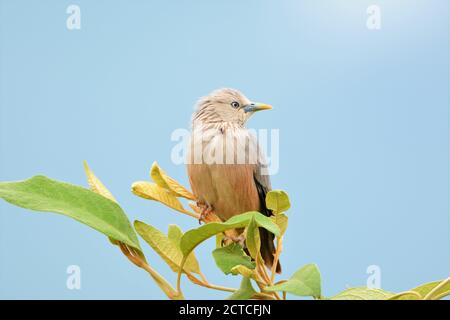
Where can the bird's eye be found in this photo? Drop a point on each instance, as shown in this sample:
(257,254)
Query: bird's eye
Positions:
(235,104)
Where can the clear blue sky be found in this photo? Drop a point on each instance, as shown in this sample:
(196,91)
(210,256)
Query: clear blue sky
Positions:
(363,118)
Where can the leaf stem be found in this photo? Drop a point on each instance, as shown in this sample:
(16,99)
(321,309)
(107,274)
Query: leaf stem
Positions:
(204,283)
(202,276)
(261,270)
(276,258)
(260,295)
(264,273)
(139,261)
(179,274)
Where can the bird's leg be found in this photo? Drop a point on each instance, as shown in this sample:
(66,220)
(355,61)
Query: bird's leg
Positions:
(206,210)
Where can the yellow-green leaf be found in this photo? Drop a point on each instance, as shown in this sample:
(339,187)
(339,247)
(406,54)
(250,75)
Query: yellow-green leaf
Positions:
(194,237)
(165,247)
(96,185)
(305,282)
(245,291)
(233,255)
(152,191)
(166,182)
(281,220)
(253,239)
(278,201)
(174,234)
(407,295)
(219,240)
(244,271)
(430,291)
(43,194)
(363,293)
(434,290)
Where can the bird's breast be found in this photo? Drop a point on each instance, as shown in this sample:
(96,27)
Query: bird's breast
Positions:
(221,167)
(229,189)
(223,145)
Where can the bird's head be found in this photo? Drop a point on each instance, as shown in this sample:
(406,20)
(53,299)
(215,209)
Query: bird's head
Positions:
(226,105)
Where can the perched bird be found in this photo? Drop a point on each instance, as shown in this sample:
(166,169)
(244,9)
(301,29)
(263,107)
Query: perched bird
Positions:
(226,166)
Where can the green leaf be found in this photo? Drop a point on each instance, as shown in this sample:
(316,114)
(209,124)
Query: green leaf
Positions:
(407,295)
(281,220)
(434,290)
(305,282)
(219,240)
(242,270)
(175,233)
(165,247)
(278,201)
(362,293)
(98,187)
(253,240)
(43,194)
(193,238)
(231,256)
(152,191)
(431,291)
(163,180)
(245,291)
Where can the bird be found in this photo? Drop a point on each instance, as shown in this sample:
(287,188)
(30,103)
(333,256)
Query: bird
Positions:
(226,167)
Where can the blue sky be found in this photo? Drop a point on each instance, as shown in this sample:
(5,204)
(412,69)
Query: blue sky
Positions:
(363,118)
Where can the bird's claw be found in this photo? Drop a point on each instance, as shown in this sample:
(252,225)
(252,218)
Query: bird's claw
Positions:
(239,239)
(206,210)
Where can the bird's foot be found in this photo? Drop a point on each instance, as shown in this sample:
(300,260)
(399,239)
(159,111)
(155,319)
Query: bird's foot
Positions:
(240,239)
(206,210)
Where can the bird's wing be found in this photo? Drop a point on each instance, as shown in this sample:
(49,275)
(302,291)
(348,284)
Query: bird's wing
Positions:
(263,186)
(262,181)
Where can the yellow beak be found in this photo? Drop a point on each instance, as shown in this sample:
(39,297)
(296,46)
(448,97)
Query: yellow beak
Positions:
(255,106)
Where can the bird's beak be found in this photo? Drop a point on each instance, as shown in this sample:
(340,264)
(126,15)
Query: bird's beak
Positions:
(255,106)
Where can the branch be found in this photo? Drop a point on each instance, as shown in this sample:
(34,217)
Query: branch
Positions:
(276,258)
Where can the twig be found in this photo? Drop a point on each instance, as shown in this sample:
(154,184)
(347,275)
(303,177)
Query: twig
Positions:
(265,274)
(276,258)
(139,261)
(261,270)
(206,284)
(203,277)
(220,288)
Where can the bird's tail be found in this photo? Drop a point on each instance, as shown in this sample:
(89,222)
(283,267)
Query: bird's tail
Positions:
(268,248)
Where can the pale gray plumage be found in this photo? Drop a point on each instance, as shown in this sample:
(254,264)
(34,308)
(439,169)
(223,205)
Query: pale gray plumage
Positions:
(225,162)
